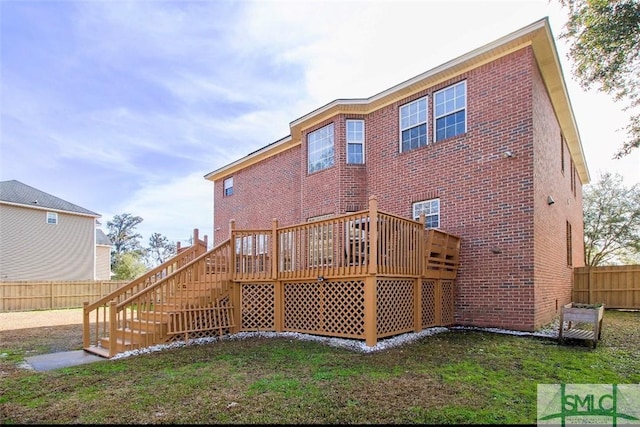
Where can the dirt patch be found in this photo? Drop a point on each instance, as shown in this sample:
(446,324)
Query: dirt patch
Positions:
(39,318)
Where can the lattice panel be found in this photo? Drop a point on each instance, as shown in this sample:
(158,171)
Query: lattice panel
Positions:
(428,303)
(395,306)
(325,308)
(257,302)
(302,306)
(447,302)
(344,308)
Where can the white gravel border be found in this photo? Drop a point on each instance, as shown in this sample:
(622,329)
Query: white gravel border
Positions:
(349,344)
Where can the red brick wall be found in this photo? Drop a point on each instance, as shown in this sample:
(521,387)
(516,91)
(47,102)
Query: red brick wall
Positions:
(337,189)
(269,189)
(486,198)
(552,273)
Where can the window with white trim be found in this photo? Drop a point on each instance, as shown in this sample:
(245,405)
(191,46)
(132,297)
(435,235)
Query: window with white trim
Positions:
(431,210)
(228,186)
(450,111)
(355,141)
(413,124)
(52,218)
(320,149)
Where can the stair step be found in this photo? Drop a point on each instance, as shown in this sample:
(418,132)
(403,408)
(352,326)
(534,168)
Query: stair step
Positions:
(98,351)
(121,344)
(157,326)
(162,317)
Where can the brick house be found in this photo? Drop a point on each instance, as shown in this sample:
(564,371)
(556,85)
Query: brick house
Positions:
(485,145)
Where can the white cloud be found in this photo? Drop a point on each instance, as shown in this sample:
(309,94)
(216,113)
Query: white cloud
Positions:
(172,208)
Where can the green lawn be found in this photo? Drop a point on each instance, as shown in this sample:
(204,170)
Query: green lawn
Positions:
(453,377)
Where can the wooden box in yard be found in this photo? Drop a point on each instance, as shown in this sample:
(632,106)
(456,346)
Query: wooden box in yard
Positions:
(584,322)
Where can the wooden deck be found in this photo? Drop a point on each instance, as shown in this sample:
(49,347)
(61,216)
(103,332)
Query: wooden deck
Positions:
(365,275)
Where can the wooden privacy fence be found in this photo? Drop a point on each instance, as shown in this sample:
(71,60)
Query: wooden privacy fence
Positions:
(615,286)
(43,295)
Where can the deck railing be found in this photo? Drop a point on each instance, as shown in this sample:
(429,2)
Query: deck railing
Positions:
(194,290)
(362,243)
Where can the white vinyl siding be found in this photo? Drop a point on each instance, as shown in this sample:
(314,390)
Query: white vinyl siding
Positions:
(32,249)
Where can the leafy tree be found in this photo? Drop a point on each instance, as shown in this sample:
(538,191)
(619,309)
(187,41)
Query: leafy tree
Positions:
(611,221)
(160,249)
(605,37)
(128,266)
(122,233)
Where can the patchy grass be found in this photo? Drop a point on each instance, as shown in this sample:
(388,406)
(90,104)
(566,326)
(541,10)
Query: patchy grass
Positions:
(456,377)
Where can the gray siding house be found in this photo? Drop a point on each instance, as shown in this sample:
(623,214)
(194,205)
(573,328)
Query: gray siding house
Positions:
(43,237)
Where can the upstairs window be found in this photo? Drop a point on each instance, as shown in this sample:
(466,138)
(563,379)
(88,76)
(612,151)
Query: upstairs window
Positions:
(320,149)
(355,141)
(228,186)
(431,210)
(52,218)
(450,111)
(413,124)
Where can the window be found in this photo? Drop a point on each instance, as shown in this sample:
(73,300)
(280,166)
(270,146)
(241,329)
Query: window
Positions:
(450,111)
(52,218)
(569,246)
(355,141)
(431,210)
(228,186)
(413,124)
(320,148)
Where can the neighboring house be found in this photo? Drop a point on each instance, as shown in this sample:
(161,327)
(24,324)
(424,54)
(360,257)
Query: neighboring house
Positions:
(103,256)
(43,237)
(486,145)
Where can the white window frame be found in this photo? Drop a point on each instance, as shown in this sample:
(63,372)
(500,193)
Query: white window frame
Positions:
(52,218)
(320,149)
(412,120)
(431,209)
(228,187)
(456,107)
(355,137)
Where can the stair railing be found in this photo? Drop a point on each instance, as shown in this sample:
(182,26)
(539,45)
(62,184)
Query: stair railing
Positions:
(97,312)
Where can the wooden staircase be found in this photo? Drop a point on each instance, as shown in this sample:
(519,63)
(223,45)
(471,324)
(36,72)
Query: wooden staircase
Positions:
(187,297)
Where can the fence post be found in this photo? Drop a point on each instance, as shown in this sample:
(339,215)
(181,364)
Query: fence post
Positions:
(589,280)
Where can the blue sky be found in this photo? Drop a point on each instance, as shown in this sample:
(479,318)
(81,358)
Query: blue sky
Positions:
(124,106)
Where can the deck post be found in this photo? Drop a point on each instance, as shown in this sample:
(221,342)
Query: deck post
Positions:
(113,338)
(370,309)
(86,330)
(197,253)
(232,251)
(274,249)
(417,304)
(373,235)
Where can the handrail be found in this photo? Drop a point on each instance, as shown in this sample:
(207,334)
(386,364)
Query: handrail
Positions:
(162,281)
(186,253)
